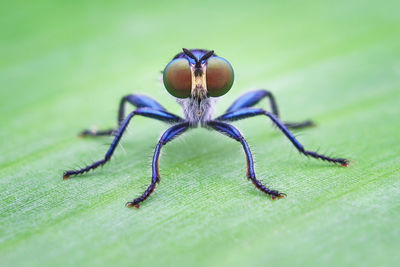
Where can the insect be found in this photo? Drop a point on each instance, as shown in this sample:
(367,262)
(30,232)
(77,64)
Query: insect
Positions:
(196,78)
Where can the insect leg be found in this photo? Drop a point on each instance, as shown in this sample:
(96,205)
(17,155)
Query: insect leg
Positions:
(146,112)
(251,112)
(234,133)
(168,135)
(251,98)
(139,101)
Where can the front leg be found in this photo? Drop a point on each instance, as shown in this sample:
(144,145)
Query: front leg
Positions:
(168,135)
(251,98)
(251,112)
(234,133)
(146,112)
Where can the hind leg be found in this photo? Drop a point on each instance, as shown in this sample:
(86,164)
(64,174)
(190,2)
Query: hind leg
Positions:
(251,98)
(139,101)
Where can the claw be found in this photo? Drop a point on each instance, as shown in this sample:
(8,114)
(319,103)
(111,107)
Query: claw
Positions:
(275,194)
(345,163)
(348,161)
(66,175)
(131,204)
(282,195)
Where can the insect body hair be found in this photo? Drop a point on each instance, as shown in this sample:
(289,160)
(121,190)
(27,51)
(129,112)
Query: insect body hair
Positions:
(197,111)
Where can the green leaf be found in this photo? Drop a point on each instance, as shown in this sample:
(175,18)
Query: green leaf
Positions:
(64,67)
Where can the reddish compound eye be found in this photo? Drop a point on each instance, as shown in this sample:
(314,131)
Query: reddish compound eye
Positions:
(219,76)
(178,78)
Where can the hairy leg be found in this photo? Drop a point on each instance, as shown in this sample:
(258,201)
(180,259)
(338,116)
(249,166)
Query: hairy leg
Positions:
(146,112)
(168,135)
(234,133)
(139,101)
(251,98)
(251,112)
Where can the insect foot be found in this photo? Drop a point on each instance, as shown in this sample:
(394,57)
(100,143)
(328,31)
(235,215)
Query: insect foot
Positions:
(93,132)
(275,194)
(132,204)
(344,162)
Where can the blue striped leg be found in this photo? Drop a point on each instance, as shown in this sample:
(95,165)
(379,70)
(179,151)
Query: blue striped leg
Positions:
(146,112)
(251,112)
(251,98)
(234,133)
(139,101)
(168,135)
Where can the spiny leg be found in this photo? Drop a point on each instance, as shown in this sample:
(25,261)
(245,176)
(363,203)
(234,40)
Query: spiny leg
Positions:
(168,135)
(251,98)
(234,133)
(139,101)
(146,112)
(251,112)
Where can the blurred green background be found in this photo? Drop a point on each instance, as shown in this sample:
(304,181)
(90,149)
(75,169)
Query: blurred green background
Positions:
(64,65)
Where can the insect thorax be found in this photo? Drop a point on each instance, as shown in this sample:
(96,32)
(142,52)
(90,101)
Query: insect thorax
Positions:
(196,112)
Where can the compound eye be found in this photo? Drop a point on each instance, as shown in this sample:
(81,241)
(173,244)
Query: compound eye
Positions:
(178,78)
(219,76)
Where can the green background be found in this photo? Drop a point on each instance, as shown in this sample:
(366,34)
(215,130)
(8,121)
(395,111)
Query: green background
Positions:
(64,66)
